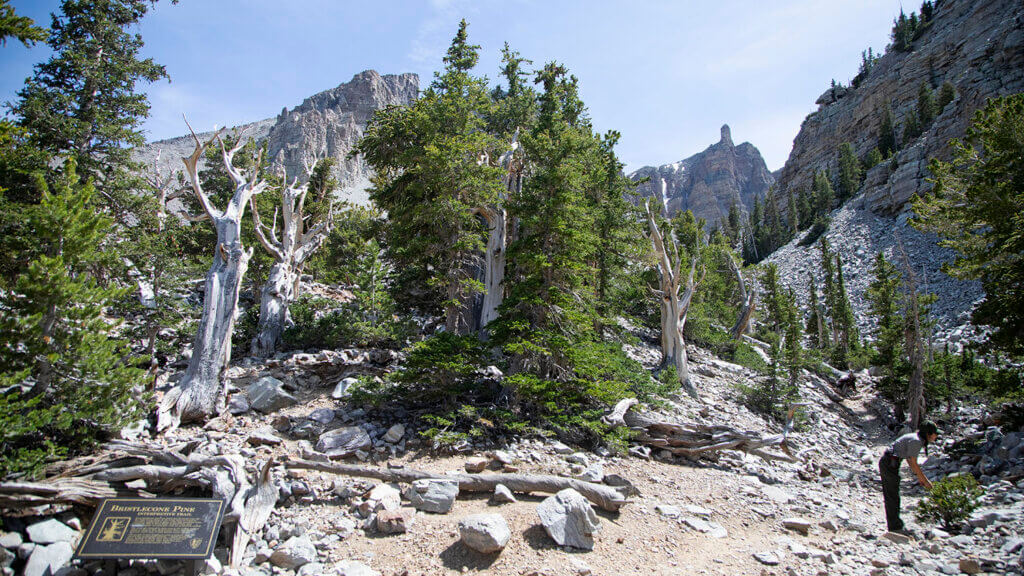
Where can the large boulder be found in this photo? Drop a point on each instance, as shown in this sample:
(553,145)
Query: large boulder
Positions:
(46,560)
(296,552)
(432,495)
(568,518)
(485,533)
(267,395)
(343,441)
(51,531)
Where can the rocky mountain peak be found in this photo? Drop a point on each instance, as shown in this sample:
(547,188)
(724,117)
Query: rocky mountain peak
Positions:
(709,182)
(726,136)
(329,123)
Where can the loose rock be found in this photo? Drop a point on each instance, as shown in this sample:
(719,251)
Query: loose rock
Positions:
(568,518)
(343,442)
(50,531)
(437,496)
(297,551)
(485,533)
(267,395)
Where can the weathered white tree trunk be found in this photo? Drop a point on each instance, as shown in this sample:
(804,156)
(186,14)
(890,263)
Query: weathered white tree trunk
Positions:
(496,219)
(196,397)
(748,300)
(674,305)
(290,252)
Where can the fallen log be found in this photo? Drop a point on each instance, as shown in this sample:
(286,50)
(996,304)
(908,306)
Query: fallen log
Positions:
(604,497)
(20,495)
(694,440)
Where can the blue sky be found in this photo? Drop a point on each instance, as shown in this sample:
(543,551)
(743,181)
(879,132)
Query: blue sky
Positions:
(666,74)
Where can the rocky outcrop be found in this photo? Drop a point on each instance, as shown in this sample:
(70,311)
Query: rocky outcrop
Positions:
(331,124)
(709,182)
(327,124)
(976,46)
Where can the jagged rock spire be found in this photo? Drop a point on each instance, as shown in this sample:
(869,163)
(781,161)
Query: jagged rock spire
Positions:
(726,135)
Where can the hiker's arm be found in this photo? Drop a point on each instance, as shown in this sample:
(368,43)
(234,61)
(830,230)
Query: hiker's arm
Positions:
(912,462)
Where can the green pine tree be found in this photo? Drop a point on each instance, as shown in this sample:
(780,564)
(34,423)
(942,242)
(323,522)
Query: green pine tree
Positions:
(66,374)
(850,174)
(886,132)
(18,27)
(977,208)
(429,179)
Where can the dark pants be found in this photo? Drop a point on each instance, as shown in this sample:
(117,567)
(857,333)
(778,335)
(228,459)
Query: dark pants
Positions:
(889,468)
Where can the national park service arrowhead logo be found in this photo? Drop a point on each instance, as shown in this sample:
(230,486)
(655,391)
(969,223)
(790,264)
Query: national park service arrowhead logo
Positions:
(195,542)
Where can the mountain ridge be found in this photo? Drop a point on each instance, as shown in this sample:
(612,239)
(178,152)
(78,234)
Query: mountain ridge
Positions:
(709,182)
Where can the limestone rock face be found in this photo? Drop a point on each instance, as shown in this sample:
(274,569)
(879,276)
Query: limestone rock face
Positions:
(326,124)
(977,46)
(332,122)
(709,182)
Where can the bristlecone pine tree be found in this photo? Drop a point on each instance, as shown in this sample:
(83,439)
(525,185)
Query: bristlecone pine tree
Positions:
(290,250)
(198,394)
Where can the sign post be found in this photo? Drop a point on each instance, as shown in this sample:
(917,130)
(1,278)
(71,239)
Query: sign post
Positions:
(171,528)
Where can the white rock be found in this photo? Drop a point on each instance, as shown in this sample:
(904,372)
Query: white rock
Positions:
(394,434)
(502,495)
(10,540)
(46,560)
(297,551)
(485,533)
(50,531)
(568,518)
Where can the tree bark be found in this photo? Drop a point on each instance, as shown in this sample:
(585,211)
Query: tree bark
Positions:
(748,301)
(290,251)
(605,497)
(674,305)
(196,397)
(693,440)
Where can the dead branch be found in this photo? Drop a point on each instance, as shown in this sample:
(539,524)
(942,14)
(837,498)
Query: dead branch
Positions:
(694,440)
(604,497)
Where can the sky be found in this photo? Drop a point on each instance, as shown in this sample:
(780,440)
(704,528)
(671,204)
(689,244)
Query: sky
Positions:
(666,74)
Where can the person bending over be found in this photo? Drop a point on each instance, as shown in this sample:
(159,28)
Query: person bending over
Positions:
(906,447)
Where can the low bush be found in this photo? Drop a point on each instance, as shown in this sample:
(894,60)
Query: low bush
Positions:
(950,501)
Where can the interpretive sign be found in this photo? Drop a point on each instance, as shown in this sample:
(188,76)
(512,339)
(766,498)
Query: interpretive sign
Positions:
(176,528)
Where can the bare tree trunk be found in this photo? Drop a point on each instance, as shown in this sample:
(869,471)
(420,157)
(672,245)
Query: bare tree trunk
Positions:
(748,299)
(674,305)
(914,343)
(196,397)
(494,264)
(277,294)
(290,252)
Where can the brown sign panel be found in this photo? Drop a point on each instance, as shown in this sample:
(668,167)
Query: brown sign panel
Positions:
(177,528)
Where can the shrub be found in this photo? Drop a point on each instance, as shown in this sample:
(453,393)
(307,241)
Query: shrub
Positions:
(951,500)
(322,323)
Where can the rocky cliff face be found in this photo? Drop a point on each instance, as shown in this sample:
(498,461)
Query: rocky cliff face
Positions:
(976,46)
(709,182)
(327,124)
